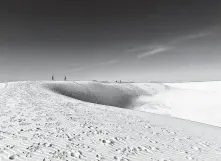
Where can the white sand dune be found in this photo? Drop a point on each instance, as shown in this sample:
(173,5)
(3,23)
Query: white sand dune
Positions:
(213,86)
(196,101)
(44,121)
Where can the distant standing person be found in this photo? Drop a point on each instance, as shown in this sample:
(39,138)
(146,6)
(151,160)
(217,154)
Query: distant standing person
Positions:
(52,77)
(65,78)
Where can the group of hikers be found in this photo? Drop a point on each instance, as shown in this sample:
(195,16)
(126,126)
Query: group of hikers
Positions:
(65,78)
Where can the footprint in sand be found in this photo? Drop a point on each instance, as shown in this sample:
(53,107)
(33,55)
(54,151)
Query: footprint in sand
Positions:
(77,154)
(189,158)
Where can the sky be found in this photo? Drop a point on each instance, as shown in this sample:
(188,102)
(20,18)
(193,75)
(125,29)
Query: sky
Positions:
(141,41)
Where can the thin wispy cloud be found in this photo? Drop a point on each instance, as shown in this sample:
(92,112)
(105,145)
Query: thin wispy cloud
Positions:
(171,44)
(153,52)
(107,63)
(189,37)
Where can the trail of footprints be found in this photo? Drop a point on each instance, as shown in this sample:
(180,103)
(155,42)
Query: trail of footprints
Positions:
(37,125)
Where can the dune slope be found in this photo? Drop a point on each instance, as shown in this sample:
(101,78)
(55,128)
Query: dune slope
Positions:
(195,101)
(39,124)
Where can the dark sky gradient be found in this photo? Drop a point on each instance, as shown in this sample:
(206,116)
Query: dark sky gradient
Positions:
(108,40)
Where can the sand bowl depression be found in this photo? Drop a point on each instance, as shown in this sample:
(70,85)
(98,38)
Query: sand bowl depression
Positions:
(111,94)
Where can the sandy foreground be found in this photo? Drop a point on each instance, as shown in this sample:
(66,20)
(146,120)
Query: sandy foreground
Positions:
(45,121)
